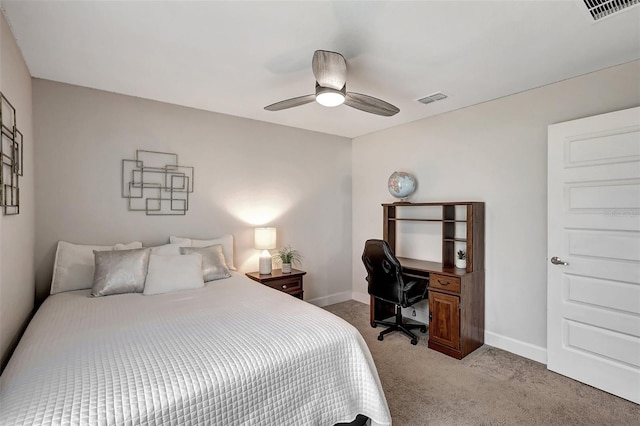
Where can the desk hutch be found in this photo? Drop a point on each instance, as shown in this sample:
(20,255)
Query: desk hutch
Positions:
(456,296)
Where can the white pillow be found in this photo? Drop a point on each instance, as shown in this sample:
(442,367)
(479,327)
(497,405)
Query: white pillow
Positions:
(226,241)
(172,249)
(173,273)
(74,265)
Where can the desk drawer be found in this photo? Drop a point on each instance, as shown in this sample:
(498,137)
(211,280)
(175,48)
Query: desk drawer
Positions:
(288,285)
(445,282)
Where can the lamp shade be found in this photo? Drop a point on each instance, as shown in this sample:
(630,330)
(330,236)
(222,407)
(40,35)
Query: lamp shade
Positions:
(329,97)
(265,238)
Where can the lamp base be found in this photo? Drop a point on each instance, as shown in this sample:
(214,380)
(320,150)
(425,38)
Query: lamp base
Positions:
(265,263)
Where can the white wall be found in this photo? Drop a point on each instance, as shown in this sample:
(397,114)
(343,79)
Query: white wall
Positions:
(247,173)
(17,231)
(250,173)
(493,152)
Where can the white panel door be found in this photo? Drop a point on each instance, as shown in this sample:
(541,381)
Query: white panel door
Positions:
(593,275)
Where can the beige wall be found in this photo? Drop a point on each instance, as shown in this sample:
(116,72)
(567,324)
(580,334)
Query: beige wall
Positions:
(17,232)
(494,152)
(246,173)
(322,192)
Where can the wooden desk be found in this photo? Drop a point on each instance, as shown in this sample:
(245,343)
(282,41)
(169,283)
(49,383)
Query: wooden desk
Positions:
(456,306)
(456,296)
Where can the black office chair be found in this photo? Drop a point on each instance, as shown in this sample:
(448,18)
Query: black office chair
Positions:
(386,282)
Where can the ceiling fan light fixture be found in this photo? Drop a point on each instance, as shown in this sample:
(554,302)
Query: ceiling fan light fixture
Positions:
(330,71)
(329,97)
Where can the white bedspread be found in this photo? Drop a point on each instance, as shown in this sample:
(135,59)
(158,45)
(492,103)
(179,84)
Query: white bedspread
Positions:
(233,353)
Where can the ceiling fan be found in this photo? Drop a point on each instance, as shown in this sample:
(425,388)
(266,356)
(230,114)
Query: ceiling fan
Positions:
(330,70)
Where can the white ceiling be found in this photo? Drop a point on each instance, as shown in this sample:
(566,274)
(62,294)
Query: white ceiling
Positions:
(237,57)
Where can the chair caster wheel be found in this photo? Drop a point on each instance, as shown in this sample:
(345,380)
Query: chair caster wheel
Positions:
(414,342)
(423,329)
(374,325)
(380,338)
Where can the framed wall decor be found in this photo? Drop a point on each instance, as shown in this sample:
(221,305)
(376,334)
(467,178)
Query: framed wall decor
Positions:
(11,158)
(155,183)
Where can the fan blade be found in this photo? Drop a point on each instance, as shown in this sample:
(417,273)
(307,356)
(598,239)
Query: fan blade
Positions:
(370,104)
(290,103)
(330,69)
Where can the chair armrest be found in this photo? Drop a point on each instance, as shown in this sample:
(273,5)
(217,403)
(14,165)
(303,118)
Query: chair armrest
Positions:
(408,285)
(416,286)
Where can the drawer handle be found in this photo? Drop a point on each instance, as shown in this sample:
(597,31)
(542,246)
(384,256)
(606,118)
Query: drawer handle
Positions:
(443,283)
(284,286)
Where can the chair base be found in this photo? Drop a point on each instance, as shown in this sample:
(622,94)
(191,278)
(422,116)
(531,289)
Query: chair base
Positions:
(398,325)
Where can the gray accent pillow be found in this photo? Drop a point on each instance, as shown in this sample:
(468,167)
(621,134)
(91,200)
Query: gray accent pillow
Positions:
(226,241)
(74,266)
(214,266)
(122,271)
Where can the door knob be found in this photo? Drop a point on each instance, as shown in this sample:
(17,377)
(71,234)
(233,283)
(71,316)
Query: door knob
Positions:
(557,261)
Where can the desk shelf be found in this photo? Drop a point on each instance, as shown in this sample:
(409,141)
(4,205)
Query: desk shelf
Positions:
(456,296)
(411,219)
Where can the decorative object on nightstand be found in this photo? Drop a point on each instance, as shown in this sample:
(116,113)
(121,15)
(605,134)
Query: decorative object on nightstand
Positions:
(461,259)
(401,185)
(265,240)
(287,256)
(290,283)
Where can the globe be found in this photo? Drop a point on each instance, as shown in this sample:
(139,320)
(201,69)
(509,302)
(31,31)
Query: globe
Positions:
(401,185)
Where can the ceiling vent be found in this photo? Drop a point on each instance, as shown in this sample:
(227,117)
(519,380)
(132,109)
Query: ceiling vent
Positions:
(602,8)
(436,96)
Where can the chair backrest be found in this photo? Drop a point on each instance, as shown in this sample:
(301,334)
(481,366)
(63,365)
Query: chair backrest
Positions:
(384,272)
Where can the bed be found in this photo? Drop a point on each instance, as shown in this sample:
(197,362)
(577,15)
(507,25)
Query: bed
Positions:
(234,352)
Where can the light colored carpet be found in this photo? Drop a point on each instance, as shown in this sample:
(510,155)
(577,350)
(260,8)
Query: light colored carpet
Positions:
(488,387)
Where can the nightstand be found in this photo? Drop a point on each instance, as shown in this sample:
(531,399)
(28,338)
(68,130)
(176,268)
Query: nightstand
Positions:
(286,283)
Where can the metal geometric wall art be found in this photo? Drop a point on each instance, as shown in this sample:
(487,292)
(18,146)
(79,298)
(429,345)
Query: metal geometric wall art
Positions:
(156,184)
(11,159)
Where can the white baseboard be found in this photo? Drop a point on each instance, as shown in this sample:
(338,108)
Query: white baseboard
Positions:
(330,299)
(518,347)
(361,297)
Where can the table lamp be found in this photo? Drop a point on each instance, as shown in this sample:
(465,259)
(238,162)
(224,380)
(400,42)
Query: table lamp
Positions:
(265,240)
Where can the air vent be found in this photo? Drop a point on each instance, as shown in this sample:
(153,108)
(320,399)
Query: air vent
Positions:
(603,8)
(433,97)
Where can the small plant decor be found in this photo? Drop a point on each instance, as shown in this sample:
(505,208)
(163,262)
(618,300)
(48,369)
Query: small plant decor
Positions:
(288,255)
(461,261)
